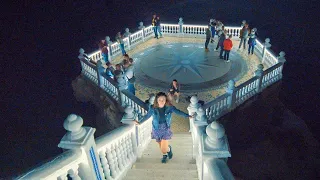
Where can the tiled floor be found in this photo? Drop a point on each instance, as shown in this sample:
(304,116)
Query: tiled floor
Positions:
(180,124)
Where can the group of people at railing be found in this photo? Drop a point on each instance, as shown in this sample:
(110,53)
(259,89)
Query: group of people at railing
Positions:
(224,42)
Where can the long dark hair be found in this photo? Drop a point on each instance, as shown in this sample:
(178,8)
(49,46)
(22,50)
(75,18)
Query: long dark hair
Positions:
(159,94)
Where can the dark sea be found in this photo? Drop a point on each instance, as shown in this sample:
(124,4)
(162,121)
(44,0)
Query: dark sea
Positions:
(40,44)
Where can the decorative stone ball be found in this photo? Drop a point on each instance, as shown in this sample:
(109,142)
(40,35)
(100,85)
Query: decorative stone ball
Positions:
(107,38)
(282,54)
(244,21)
(254,29)
(215,130)
(260,66)
(180,20)
(81,51)
(73,123)
(211,20)
(141,23)
(231,84)
(194,100)
(127,30)
(267,40)
(128,110)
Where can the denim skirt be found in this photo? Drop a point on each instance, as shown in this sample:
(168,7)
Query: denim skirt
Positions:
(162,133)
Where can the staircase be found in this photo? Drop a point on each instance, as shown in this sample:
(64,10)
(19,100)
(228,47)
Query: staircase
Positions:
(181,166)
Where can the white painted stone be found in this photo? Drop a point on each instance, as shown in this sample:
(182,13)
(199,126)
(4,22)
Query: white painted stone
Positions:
(141,26)
(281,57)
(127,32)
(194,105)
(129,116)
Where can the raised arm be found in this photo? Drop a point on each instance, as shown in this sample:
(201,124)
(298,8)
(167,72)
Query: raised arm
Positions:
(180,113)
(147,116)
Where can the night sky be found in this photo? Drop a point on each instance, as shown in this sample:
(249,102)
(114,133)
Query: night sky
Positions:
(40,43)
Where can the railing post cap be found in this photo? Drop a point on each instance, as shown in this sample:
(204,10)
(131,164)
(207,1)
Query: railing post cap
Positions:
(127,30)
(260,66)
(282,54)
(81,50)
(231,83)
(128,110)
(107,38)
(215,130)
(141,23)
(151,99)
(194,100)
(73,123)
(244,21)
(267,40)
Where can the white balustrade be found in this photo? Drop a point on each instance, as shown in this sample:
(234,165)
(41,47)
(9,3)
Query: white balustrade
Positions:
(95,56)
(128,99)
(116,160)
(246,90)
(271,75)
(148,32)
(169,28)
(136,38)
(89,71)
(270,59)
(258,47)
(194,29)
(217,107)
(234,31)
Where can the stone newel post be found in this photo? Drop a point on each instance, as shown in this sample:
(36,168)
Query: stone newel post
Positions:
(266,46)
(180,25)
(281,59)
(128,34)
(259,73)
(141,27)
(232,97)
(109,42)
(215,142)
(201,118)
(129,116)
(81,138)
(193,108)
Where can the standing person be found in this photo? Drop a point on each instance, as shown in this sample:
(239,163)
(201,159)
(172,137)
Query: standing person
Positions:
(213,29)
(208,37)
(119,39)
(129,73)
(154,26)
(227,45)
(220,44)
(158,23)
(174,90)
(252,41)
(161,112)
(244,36)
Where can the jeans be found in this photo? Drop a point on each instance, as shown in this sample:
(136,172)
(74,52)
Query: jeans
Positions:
(122,49)
(155,30)
(105,57)
(221,52)
(207,42)
(244,41)
(226,54)
(251,47)
(159,30)
(131,88)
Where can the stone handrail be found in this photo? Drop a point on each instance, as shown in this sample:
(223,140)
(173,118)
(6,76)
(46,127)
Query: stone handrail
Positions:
(65,164)
(128,99)
(269,58)
(259,47)
(246,90)
(90,71)
(272,75)
(117,151)
(217,170)
(217,108)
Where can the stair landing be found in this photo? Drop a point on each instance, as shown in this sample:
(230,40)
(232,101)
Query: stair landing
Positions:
(180,167)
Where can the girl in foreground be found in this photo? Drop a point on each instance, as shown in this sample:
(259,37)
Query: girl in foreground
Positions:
(161,112)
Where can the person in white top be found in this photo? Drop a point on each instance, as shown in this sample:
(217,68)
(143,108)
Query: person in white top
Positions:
(129,73)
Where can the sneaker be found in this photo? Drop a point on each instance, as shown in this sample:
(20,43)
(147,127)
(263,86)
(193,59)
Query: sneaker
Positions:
(164,159)
(215,49)
(228,61)
(206,49)
(170,154)
(177,100)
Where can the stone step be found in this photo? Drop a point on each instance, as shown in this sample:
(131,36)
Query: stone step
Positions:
(176,151)
(161,173)
(157,178)
(176,166)
(175,160)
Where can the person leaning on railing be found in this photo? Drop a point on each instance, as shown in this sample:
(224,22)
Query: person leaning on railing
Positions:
(161,112)
(154,26)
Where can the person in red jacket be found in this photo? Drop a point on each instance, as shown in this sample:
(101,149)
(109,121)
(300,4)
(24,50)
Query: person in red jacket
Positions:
(227,46)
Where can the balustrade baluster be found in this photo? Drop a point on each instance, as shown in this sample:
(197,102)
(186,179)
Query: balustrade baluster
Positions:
(111,161)
(115,159)
(73,173)
(104,164)
(64,176)
(119,156)
(129,148)
(124,151)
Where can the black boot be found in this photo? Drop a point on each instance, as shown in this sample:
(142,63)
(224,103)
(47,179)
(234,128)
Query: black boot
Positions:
(170,154)
(164,158)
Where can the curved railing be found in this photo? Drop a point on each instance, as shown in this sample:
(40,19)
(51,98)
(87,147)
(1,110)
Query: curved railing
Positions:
(66,164)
